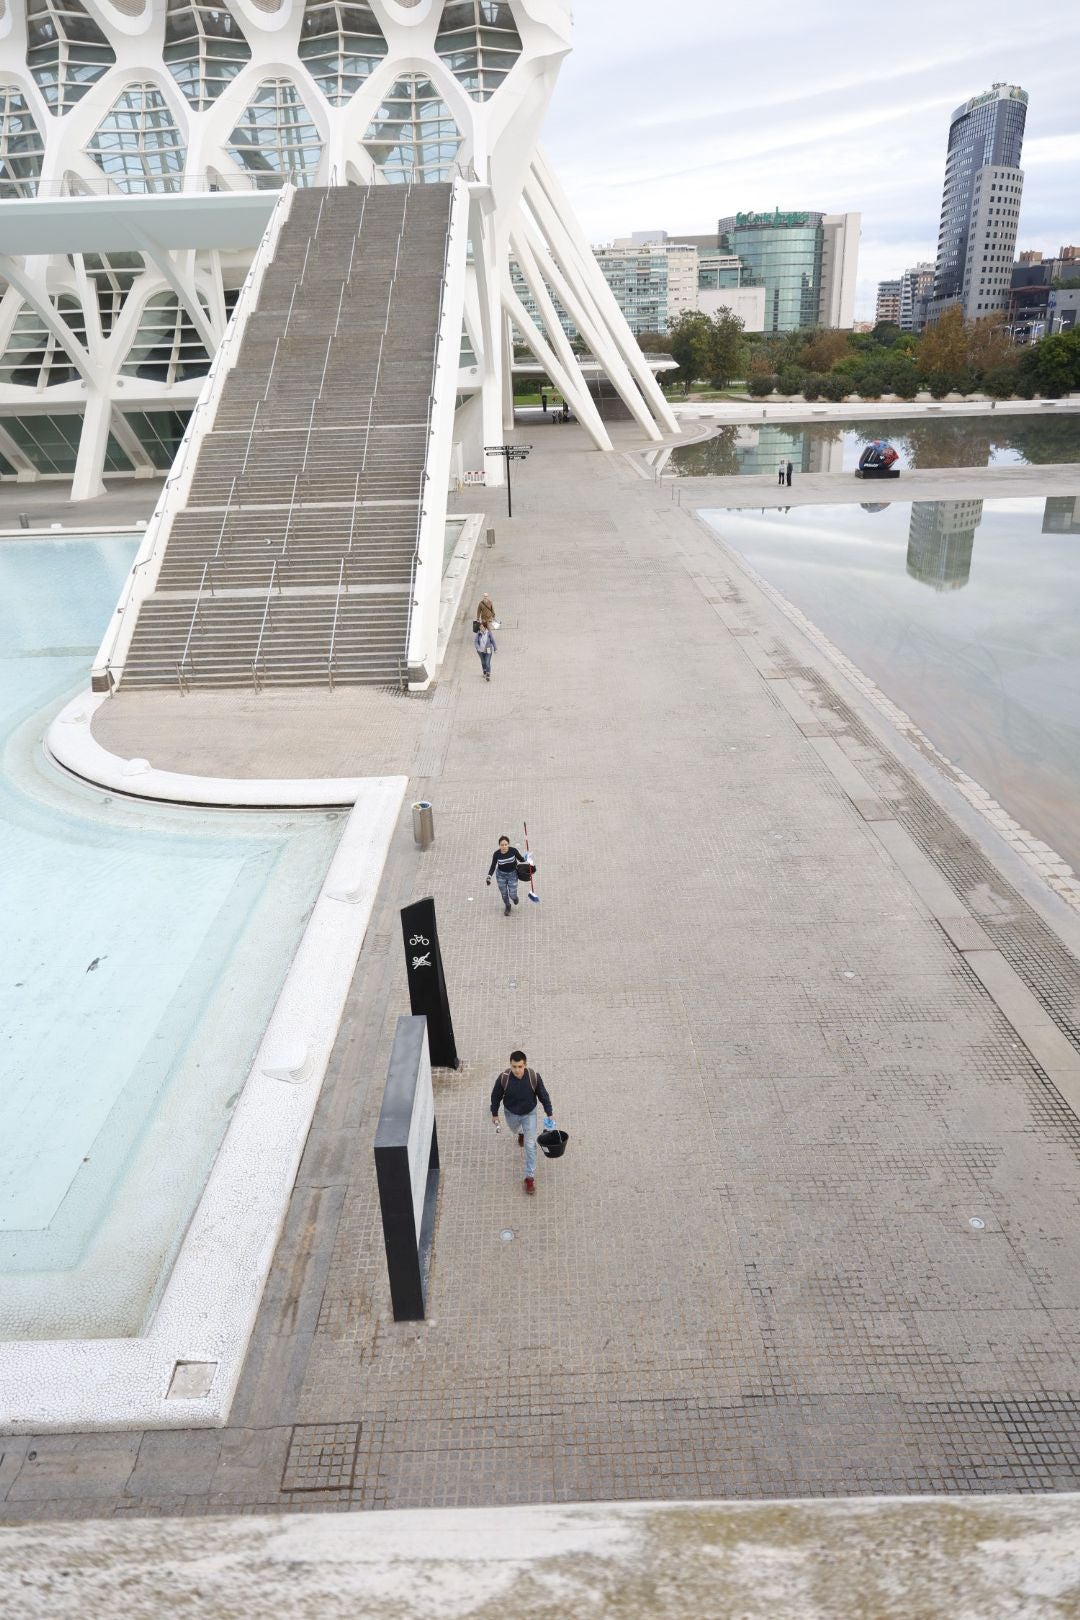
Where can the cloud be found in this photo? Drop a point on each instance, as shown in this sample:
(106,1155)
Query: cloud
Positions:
(672,117)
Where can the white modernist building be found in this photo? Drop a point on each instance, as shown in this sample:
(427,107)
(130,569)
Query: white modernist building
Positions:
(141,142)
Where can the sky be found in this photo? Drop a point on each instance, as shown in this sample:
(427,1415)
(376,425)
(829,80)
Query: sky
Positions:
(669,116)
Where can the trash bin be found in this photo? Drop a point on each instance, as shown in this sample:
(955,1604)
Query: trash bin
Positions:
(423,823)
(490,537)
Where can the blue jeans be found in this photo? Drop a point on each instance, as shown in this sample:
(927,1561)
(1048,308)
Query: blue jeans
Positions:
(508,882)
(527,1124)
(485,661)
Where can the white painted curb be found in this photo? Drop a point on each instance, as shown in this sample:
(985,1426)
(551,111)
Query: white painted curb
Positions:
(199,1335)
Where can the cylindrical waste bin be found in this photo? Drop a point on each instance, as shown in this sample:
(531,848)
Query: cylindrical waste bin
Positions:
(423,823)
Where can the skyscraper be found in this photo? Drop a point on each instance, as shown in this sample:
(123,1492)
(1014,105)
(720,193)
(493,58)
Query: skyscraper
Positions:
(980,202)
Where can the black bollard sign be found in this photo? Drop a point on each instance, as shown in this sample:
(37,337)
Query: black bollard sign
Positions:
(427,982)
(407,1168)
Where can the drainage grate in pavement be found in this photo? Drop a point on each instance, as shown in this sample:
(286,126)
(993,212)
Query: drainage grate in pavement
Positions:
(322,1457)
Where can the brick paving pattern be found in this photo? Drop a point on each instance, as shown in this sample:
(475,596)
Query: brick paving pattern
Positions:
(756,1271)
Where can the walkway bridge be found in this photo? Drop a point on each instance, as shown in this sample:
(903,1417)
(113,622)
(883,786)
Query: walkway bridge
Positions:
(294,558)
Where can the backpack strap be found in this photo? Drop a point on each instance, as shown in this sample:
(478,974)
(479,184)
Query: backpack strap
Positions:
(529,1075)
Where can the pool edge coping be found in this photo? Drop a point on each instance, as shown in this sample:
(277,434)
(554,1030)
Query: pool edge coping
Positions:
(201,1329)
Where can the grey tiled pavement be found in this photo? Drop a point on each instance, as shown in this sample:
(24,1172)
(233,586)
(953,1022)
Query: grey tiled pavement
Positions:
(788,1094)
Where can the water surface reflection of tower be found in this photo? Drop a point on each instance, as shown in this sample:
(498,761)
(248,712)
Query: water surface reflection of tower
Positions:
(941,536)
(1061,514)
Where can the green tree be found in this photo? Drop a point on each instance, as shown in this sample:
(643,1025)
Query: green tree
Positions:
(1053,366)
(691,346)
(727,351)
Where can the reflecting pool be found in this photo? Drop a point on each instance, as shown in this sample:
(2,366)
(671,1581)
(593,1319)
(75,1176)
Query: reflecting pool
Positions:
(948,441)
(142,952)
(964,613)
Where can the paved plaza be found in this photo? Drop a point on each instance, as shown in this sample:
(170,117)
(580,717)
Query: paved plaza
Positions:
(814,1233)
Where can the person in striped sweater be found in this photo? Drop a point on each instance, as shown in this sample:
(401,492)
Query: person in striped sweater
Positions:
(504,868)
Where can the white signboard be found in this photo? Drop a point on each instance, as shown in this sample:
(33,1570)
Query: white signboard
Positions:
(423,1118)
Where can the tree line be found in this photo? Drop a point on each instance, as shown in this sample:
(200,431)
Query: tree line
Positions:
(952,356)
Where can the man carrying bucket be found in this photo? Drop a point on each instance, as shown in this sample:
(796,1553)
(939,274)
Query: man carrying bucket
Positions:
(516,1091)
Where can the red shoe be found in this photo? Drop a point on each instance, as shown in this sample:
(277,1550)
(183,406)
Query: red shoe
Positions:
(530,1184)
(521,1138)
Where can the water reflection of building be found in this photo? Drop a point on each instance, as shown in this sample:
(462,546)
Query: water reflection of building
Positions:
(941,536)
(1061,514)
(808,449)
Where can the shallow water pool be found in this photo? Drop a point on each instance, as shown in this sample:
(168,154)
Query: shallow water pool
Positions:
(143,951)
(965,614)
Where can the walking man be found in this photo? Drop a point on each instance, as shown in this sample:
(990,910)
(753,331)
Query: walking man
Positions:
(517,1090)
(484,642)
(789,466)
(780,473)
(504,865)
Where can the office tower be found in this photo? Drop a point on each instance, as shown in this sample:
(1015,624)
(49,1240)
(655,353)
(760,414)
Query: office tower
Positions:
(888,302)
(806,263)
(980,202)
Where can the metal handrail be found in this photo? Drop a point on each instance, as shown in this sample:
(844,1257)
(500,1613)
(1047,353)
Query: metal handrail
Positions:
(333,627)
(355,503)
(288,520)
(270,373)
(191,626)
(251,435)
(262,628)
(225,518)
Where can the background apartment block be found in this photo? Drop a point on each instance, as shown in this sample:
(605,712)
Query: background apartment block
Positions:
(888,302)
(916,290)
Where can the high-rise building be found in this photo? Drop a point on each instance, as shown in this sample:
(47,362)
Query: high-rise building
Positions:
(806,263)
(888,302)
(980,202)
(916,290)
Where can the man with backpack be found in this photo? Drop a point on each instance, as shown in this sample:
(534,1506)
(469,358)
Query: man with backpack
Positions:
(516,1091)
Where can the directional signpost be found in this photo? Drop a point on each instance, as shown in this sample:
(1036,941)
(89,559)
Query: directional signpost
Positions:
(509,453)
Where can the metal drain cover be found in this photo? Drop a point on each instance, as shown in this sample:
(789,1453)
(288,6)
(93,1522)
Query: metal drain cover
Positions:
(506,1235)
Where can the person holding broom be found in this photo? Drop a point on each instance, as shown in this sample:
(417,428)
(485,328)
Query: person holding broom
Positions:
(504,868)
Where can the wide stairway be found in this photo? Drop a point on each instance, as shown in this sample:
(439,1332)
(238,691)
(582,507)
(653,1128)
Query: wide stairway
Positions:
(292,562)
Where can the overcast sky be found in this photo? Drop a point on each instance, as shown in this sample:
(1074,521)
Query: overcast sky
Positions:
(670,115)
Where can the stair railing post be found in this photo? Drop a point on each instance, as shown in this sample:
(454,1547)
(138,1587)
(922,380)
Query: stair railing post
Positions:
(333,627)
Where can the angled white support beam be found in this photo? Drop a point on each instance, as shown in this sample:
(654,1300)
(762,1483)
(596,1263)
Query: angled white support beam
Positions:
(11,452)
(582,312)
(183,286)
(34,294)
(569,383)
(547,182)
(587,412)
(129,441)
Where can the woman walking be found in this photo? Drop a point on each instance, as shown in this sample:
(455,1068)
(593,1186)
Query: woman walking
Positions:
(484,642)
(485,612)
(504,868)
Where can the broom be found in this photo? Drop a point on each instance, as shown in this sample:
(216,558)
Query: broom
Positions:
(533,896)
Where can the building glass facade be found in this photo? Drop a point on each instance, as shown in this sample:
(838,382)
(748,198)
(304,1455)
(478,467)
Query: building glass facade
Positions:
(986,131)
(782,253)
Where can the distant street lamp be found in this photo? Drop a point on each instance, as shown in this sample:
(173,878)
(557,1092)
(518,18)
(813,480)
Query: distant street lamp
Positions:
(509,453)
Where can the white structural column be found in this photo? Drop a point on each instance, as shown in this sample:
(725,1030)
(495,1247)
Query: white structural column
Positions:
(553,212)
(130,146)
(566,364)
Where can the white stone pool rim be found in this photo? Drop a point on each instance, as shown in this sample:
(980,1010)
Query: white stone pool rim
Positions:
(184,1370)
